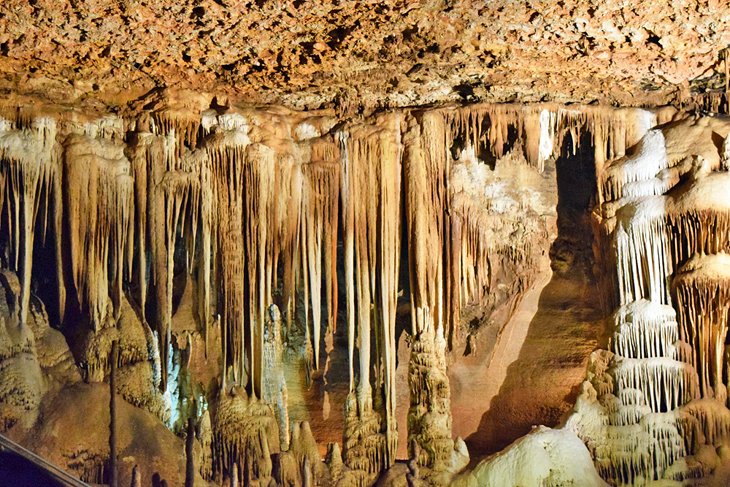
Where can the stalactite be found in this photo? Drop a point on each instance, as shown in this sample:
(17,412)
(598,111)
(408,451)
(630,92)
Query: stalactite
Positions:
(99,208)
(30,168)
(319,224)
(145,153)
(702,290)
(180,125)
(209,232)
(372,181)
(348,238)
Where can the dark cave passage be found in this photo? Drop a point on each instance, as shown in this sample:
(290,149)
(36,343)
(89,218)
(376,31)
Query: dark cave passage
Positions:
(541,385)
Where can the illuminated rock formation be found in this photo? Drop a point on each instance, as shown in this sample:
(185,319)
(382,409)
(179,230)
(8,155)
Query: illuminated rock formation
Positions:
(654,406)
(182,229)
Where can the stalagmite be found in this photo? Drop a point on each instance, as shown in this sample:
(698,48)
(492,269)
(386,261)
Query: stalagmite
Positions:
(245,435)
(301,463)
(136,477)
(274,389)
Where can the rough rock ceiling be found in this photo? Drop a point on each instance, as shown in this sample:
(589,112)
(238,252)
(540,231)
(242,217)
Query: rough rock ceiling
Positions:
(353,54)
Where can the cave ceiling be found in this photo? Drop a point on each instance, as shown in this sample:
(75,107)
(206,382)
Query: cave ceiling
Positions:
(360,55)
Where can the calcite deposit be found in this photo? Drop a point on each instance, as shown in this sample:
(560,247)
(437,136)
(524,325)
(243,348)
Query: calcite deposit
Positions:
(349,243)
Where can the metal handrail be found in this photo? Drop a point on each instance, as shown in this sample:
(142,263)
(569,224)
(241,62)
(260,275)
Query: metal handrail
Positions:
(64,477)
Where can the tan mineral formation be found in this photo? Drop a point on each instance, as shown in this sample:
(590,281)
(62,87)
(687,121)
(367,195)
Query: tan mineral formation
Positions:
(400,243)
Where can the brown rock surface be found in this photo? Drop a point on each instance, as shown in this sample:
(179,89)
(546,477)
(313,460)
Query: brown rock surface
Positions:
(74,433)
(307,54)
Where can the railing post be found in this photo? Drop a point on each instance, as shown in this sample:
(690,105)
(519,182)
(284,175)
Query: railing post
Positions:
(113,417)
(190,461)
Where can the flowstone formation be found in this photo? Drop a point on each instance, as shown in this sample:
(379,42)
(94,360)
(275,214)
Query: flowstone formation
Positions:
(655,403)
(247,259)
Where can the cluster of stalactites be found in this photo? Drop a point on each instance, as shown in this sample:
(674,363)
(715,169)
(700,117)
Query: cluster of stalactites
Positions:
(272,206)
(500,126)
(371,192)
(183,125)
(29,181)
(99,204)
(645,329)
(541,129)
(319,221)
(167,194)
(643,262)
(540,132)
(653,227)
(702,293)
(641,173)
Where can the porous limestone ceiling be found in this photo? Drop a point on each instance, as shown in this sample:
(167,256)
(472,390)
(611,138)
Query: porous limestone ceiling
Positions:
(361,55)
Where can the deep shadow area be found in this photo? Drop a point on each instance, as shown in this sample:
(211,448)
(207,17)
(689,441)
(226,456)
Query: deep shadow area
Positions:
(541,385)
(16,471)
